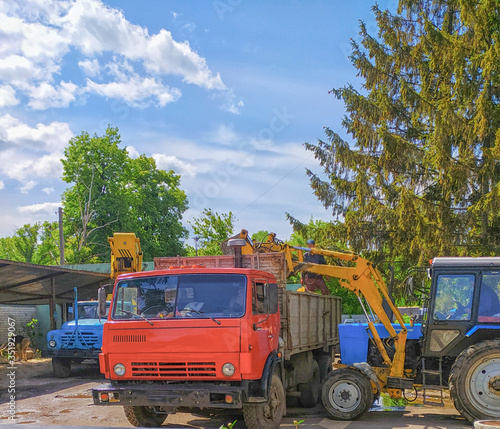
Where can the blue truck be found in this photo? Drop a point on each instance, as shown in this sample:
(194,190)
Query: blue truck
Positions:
(78,339)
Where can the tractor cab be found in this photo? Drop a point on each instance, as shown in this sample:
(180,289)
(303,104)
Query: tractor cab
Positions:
(464,305)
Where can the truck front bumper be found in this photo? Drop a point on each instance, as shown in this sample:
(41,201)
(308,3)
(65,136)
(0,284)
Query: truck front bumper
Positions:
(71,353)
(174,396)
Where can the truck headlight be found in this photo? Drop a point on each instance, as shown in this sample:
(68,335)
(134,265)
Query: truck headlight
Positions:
(52,343)
(228,369)
(119,369)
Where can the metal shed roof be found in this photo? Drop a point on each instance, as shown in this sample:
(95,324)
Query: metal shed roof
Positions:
(22,283)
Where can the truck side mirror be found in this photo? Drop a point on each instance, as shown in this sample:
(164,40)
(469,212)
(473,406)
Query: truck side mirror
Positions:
(101,297)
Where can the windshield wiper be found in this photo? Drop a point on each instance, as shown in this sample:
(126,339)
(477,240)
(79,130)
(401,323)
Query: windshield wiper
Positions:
(141,316)
(207,316)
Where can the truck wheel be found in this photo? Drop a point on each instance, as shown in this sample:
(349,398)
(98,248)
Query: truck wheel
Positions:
(325,365)
(346,394)
(475,381)
(267,416)
(143,416)
(61,367)
(309,392)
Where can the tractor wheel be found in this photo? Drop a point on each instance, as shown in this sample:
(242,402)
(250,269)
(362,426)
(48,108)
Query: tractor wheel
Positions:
(143,416)
(347,394)
(61,367)
(475,381)
(267,416)
(309,392)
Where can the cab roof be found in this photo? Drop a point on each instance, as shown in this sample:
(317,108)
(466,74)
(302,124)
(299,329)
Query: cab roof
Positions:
(466,262)
(196,270)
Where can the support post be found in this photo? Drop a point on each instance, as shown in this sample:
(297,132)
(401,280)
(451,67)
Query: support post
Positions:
(61,237)
(52,303)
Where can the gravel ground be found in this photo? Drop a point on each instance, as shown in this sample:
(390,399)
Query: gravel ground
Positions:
(43,400)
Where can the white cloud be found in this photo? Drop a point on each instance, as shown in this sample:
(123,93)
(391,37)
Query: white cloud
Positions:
(224,134)
(28,186)
(170,162)
(51,137)
(132,152)
(45,95)
(36,36)
(2,185)
(48,190)
(136,91)
(7,96)
(90,67)
(27,151)
(45,208)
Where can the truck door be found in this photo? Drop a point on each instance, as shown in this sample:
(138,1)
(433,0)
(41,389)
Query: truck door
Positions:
(265,317)
(451,310)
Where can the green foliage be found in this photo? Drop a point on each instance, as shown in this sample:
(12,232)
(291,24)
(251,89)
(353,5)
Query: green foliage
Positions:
(37,244)
(112,192)
(259,236)
(297,423)
(421,176)
(212,229)
(33,332)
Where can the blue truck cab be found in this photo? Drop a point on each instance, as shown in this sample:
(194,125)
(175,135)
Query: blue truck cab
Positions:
(77,340)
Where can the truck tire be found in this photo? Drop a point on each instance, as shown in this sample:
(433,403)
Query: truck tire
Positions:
(61,367)
(325,365)
(475,381)
(267,416)
(346,394)
(309,392)
(143,416)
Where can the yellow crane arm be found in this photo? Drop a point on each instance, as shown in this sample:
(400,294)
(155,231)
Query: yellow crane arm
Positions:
(364,280)
(126,254)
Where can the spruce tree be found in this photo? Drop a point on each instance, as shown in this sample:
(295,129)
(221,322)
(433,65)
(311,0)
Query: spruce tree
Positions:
(418,175)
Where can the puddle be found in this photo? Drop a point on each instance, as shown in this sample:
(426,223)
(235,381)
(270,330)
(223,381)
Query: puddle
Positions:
(75,396)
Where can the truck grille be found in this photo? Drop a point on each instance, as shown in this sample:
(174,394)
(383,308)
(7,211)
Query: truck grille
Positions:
(173,369)
(88,339)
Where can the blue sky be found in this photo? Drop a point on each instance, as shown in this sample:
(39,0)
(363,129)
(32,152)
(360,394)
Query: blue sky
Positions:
(224,92)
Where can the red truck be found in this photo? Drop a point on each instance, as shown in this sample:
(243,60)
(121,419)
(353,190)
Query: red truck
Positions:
(202,334)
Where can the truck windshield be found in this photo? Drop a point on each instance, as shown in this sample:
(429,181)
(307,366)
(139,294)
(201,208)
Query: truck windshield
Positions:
(181,296)
(89,311)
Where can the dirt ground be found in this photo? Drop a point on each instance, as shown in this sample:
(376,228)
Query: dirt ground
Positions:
(43,400)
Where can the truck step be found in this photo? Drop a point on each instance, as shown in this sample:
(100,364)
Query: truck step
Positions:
(431,372)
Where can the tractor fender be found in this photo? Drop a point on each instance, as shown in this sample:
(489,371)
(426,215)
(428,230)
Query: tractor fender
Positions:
(368,371)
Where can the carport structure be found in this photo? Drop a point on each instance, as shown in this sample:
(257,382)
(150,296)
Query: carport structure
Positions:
(23,283)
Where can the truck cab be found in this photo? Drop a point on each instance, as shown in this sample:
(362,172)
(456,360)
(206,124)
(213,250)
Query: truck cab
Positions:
(77,340)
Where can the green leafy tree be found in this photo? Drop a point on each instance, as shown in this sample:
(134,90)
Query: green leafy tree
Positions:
(95,167)
(112,192)
(212,229)
(156,205)
(259,236)
(421,175)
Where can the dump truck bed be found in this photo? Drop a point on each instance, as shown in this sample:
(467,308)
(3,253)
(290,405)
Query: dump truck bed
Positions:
(308,321)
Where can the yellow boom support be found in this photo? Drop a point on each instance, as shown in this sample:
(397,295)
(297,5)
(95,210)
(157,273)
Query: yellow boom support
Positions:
(126,254)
